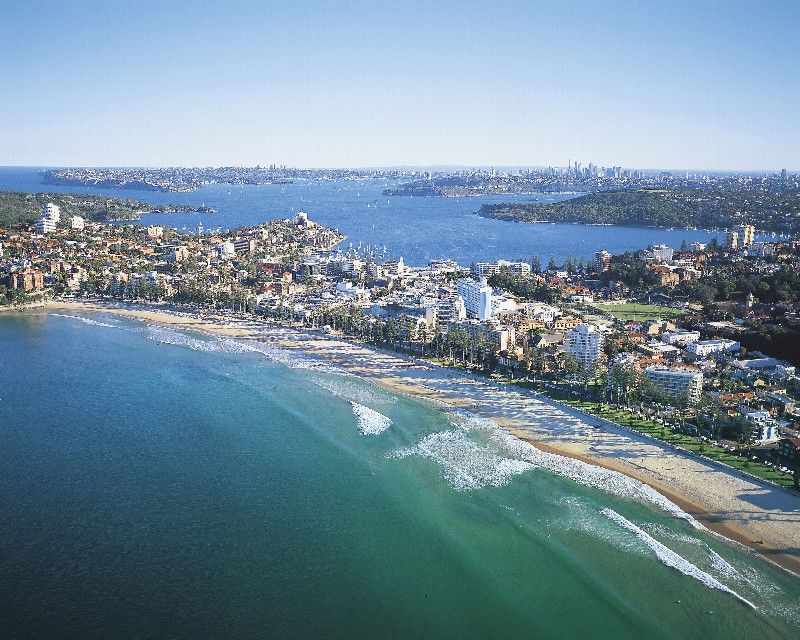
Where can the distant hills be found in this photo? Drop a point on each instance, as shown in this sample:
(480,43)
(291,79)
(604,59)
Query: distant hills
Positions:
(682,208)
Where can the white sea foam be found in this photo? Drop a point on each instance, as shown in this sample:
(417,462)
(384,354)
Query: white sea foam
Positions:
(465,464)
(718,563)
(670,558)
(581,472)
(370,422)
(721,565)
(213,344)
(278,354)
(580,515)
(166,335)
(95,323)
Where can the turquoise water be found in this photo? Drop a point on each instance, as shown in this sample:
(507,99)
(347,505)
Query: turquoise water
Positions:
(418,229)
(159,484)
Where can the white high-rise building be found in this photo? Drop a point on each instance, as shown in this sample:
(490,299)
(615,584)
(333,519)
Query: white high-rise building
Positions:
(477,298)
(677,382)
(585,342)
(51,215)
(52,212)
(77,223)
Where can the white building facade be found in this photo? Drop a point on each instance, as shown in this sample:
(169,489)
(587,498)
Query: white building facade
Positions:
(585,342)
(677,382)
(477,298)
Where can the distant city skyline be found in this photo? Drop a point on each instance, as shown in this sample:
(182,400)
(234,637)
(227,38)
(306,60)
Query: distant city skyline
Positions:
(711,86)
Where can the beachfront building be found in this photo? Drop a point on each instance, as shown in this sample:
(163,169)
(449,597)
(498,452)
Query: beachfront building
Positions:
(226,249)
(450,309)
(764,425)
(585,342)
(394,268)
(244,245)
(25,280)
(495,335)
(677,382)
(477,298)
(546,313)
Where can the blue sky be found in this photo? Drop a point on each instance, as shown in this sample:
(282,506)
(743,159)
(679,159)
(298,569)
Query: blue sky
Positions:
(642,84)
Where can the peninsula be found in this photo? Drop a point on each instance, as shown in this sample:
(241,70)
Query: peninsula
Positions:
(673,207)
(25,208)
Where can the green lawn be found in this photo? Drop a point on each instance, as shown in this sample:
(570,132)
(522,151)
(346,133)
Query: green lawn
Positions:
(639,312)
(690,443)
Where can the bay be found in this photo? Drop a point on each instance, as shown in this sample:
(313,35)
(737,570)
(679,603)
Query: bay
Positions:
(418,229)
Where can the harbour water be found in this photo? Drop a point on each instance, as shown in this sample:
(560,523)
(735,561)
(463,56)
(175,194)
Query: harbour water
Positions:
(416,228)
(166,484)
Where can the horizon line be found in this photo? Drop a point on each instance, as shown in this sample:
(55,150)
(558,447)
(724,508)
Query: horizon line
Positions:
(436,167)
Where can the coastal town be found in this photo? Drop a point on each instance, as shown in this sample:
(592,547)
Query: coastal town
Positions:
(454,321)
(694,345)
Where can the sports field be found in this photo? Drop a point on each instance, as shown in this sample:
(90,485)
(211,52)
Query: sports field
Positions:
(639,312)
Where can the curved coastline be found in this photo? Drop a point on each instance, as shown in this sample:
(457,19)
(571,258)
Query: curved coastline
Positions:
(747,512)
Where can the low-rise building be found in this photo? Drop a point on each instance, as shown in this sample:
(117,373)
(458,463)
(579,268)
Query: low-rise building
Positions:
(680,337)
(705,348)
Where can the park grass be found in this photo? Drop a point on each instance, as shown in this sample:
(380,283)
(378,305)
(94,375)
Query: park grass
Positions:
(637,312)
(684,441)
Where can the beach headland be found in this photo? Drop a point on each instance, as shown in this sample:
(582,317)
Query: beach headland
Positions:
(760,516)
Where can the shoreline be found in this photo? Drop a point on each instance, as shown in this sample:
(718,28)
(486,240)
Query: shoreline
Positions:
(749,513)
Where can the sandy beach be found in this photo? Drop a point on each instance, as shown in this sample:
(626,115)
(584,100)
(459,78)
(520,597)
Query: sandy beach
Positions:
(756,514)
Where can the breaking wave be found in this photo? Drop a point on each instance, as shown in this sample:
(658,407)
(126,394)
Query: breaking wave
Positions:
(465,464)
(671,559)
(213,344)
(589,475)
(95,323)
(166,335)
(370,422)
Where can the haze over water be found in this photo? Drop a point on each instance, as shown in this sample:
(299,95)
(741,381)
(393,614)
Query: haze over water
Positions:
(416,228)
(164,484)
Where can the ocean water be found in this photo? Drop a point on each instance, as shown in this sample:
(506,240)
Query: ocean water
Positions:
(418,229)
(160,484)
